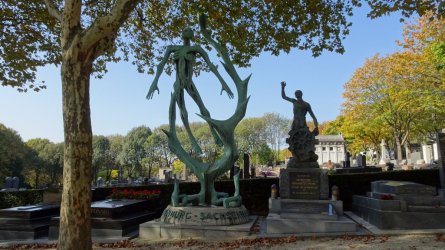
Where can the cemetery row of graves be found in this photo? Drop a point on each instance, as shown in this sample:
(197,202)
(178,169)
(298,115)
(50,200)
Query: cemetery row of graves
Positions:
(120,212)
(38,162)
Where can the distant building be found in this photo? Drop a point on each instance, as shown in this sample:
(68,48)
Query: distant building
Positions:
(330,147)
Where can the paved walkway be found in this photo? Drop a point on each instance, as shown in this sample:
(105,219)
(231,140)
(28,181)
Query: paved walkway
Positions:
(368,237)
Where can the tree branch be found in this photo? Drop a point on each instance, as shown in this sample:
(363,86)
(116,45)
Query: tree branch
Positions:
(53,9)
(101,34)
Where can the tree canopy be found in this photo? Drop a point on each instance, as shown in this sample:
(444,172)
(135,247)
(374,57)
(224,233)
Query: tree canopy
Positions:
(402,92)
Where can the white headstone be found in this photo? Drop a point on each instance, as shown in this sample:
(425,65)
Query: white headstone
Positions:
(383,159)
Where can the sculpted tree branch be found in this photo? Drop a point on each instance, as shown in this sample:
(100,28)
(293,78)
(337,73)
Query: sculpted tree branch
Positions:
(224,129)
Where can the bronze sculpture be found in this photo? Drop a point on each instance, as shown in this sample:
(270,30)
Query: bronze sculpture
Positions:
(301,141)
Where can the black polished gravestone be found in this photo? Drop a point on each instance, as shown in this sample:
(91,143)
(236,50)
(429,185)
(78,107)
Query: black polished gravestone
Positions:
(114,218)
(305,184)
(26,222)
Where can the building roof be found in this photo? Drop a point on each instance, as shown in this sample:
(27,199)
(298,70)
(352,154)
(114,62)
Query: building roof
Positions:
(330,138)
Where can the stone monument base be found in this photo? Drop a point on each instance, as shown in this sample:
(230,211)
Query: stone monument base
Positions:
(26,222)
(205,216)
(157,230)
(303,206)
(294,216)
(401,205)
(198,222)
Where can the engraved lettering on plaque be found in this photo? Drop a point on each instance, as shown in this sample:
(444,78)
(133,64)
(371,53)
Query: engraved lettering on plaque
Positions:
(304,185)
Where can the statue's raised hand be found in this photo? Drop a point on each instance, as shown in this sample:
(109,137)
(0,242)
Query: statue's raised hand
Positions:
(283,84)
(153,88)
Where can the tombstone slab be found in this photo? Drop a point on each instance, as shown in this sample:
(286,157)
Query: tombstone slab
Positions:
(402,188)
(401,205)
(26,222)
(114,218)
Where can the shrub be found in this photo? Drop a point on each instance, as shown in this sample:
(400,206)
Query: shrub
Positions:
(20,198)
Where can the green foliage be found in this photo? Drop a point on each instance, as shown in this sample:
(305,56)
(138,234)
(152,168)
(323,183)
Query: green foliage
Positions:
(332,127)
(47,162)
(101,156)
(13,153)
(407,8)
(276,129)
(399,96)
(438,50)
(133,150)
(29,39)
(20,198)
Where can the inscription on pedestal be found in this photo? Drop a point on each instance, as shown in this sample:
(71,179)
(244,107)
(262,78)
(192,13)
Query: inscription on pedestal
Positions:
(216,216)
(304,185)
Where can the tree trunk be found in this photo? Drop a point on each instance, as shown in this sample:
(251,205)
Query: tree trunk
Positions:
(75,224)
(407,150)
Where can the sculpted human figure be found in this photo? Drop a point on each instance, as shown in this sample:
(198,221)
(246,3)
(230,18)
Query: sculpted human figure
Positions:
(301,108)
(184,57)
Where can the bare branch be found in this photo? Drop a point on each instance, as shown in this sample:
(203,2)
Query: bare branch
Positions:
(53,9)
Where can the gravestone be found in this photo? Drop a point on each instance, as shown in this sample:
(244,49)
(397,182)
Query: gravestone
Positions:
(114,218)
(232,172)
(246,165)
(360,161)
(306,184)
(120,174)
(415,156)
(347,163)
(383,158)
(401,205)
(99,182)
(8,182)
(252,172)
(26,222)
(15,182)
(303,205)
(440,141)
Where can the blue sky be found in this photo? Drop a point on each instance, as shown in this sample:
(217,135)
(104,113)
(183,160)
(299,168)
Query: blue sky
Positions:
(118,100)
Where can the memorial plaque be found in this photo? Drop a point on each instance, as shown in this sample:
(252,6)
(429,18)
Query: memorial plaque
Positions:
(304,185)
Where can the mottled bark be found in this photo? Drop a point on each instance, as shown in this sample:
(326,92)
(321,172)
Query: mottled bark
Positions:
(80,47)
(75,224)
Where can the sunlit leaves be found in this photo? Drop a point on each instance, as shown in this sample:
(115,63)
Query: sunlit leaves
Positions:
(402,92)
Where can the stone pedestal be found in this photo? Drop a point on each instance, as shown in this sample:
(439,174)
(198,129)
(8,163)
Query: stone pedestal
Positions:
(303,206)
(401,205)
(198,222)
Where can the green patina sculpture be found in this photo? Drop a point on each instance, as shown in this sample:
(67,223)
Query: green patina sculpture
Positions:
(184,57)
(222,130)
